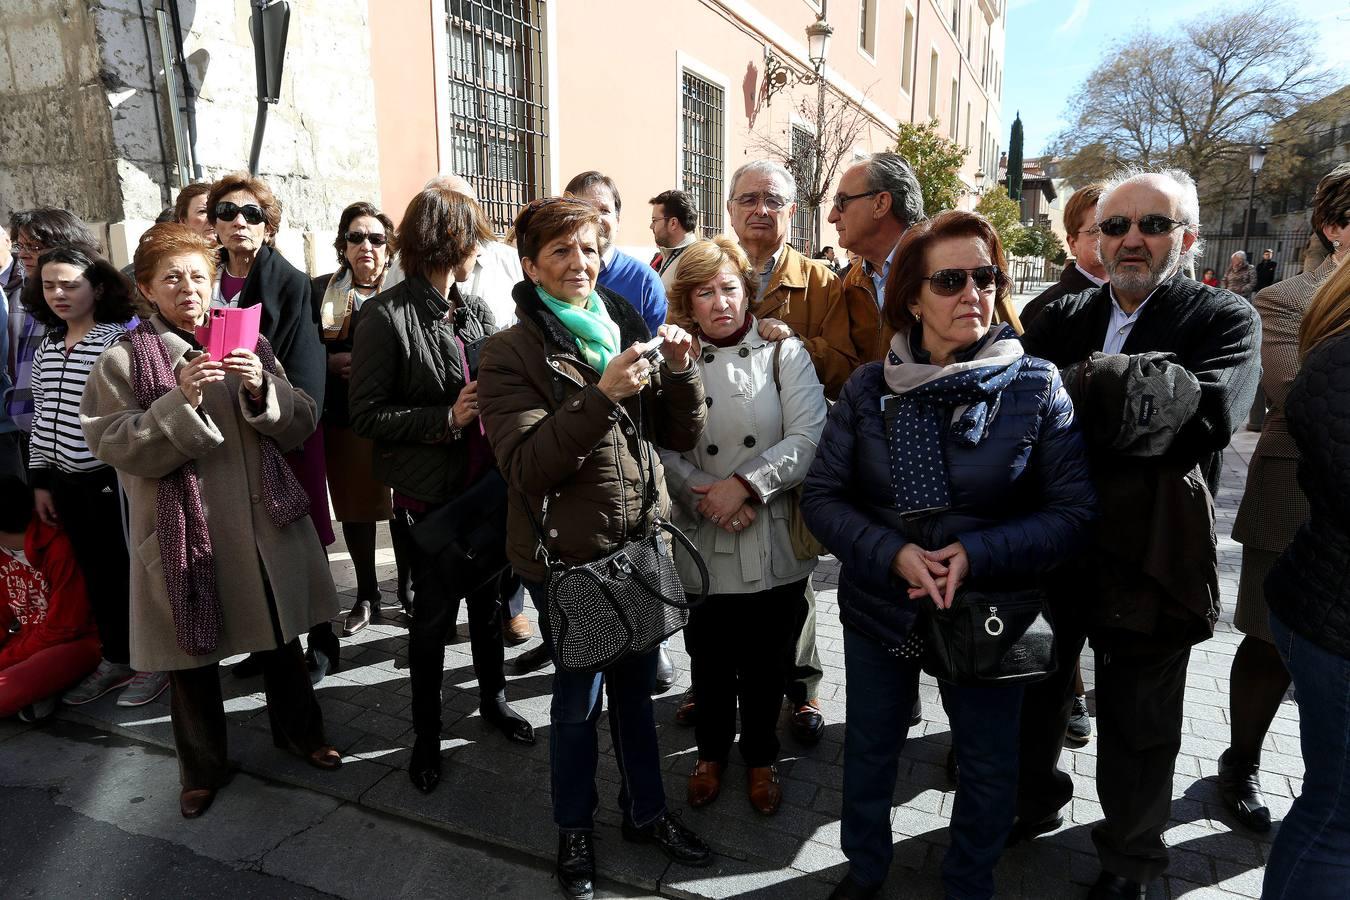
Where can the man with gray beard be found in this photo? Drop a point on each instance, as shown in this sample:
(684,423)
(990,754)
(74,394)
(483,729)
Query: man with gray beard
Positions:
(1162,371)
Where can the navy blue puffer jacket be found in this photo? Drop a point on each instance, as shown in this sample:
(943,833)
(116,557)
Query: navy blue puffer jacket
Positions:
(1309,588)
(1020,499)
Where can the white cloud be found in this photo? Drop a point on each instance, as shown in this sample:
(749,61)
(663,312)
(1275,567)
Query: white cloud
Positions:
(1076,17)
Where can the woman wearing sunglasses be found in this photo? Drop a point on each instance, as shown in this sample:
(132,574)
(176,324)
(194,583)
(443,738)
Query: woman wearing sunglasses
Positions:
(952,463)
(246,216)
(365,250)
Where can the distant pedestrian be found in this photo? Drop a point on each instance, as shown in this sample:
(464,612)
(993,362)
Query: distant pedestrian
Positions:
(674,220)
(1240,277)
(1265,270)
(1210,278)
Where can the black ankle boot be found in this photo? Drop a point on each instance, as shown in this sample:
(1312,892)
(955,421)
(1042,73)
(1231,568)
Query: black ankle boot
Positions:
(424,768)
(1240,787)
(576,864)
(497,712)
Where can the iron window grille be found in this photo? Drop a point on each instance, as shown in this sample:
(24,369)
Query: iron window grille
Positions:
(703,112)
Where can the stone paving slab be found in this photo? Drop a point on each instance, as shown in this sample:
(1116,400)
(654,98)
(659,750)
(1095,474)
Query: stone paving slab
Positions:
(498,792)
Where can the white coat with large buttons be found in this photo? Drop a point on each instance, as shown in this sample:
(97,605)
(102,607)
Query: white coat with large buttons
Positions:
(765,434)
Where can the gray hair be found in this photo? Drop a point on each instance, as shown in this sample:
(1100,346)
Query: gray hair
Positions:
(765,167)
(890,172)
(1188,201)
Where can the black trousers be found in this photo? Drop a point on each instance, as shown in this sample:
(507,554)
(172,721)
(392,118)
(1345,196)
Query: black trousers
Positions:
(432,619)
(1140,683)
(90,508)
(197,710)
(741,648)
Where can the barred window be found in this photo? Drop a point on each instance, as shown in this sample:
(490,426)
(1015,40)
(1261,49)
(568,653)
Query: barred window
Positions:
(498,102)
(703,111)
(801,234)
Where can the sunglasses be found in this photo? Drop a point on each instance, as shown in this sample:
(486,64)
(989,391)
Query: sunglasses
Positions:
(1118,226)
(252,213)
(950,282)
(356,238)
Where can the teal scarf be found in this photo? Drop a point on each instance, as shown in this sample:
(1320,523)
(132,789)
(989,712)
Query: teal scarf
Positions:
(596,334)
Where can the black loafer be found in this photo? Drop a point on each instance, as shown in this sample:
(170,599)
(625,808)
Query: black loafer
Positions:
(362,612)
(848,889)
(807,723)
(1030,829)
(676,841)
(1117,887)
(506,720)
(424,768)
(531,660)
(1240,788)
(576,864)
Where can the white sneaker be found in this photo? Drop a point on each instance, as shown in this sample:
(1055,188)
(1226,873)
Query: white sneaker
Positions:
(107,677)
(145,687)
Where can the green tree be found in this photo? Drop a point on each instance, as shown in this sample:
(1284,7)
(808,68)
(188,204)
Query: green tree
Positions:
(1038,242)
(936,161)
(1003,213)
(1015,159)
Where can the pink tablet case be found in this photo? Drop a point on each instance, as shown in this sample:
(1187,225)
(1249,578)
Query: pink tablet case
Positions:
(228,329)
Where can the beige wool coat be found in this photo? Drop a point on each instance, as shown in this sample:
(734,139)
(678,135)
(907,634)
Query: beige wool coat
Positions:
(222,438)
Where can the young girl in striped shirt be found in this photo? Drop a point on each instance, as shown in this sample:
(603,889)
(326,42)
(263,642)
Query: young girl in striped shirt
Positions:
(85,304)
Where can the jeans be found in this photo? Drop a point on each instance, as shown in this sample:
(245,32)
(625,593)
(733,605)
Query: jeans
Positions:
(881,691)
(573,744)
(1311,855)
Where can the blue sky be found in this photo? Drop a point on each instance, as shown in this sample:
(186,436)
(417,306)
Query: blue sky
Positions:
(1054,44)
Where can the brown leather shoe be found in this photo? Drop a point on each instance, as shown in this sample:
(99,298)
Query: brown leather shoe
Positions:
(325,758)
(195,802)
(765,791)
(704,784)
(516,630)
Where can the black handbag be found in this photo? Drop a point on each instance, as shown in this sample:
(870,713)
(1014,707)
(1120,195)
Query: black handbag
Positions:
(467,535)
(991,637)
(622,604)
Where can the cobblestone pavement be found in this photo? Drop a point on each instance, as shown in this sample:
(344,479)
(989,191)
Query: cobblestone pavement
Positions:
(499,792)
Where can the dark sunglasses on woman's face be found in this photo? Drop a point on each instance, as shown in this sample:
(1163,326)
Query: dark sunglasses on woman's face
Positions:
(252,213)
(1117,226)
(950,282)
(357,238)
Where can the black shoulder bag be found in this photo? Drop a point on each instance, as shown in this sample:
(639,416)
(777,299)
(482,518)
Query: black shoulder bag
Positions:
(990,638)
(625,603)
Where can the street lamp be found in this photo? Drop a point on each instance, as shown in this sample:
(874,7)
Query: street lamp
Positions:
(818,43)
(979,182)
(1255,160)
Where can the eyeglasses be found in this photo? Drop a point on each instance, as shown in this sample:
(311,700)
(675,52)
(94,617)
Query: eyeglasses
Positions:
(35,249)
(656,219)
(842,200)
(376,238)
(1118,226)
(772,202)
(950,282)
(252,213)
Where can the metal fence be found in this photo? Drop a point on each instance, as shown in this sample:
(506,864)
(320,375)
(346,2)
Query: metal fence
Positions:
(1288,245)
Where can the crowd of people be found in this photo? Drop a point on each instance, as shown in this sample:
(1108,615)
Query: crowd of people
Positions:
(520,410)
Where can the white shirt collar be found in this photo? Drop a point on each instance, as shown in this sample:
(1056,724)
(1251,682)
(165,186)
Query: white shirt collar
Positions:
(1089,276)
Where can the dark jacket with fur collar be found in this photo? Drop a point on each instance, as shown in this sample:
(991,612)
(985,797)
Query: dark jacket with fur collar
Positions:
(555,433)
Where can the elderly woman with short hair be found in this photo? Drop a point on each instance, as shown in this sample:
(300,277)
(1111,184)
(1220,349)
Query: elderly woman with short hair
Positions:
(562,392)
(414,392)
(246,216)
(953,463)
(365,250)
(225,559)
(734,496)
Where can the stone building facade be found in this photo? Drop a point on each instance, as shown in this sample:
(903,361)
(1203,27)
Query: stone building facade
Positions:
(85,117)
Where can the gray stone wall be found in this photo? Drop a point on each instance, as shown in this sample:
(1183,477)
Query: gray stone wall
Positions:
(94,67)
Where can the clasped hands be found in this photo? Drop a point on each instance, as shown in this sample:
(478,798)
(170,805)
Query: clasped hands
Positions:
(935,573)
(727,504)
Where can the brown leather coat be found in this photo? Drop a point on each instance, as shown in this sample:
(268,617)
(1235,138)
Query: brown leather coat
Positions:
(556,434)
(809,298)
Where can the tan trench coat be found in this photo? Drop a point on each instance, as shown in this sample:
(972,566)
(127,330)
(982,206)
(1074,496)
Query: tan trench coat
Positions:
(222,437)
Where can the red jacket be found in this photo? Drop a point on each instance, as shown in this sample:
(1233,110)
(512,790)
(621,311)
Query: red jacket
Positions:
(47,598)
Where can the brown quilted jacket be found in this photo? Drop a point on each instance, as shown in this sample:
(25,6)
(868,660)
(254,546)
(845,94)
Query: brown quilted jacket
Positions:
(556,434)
